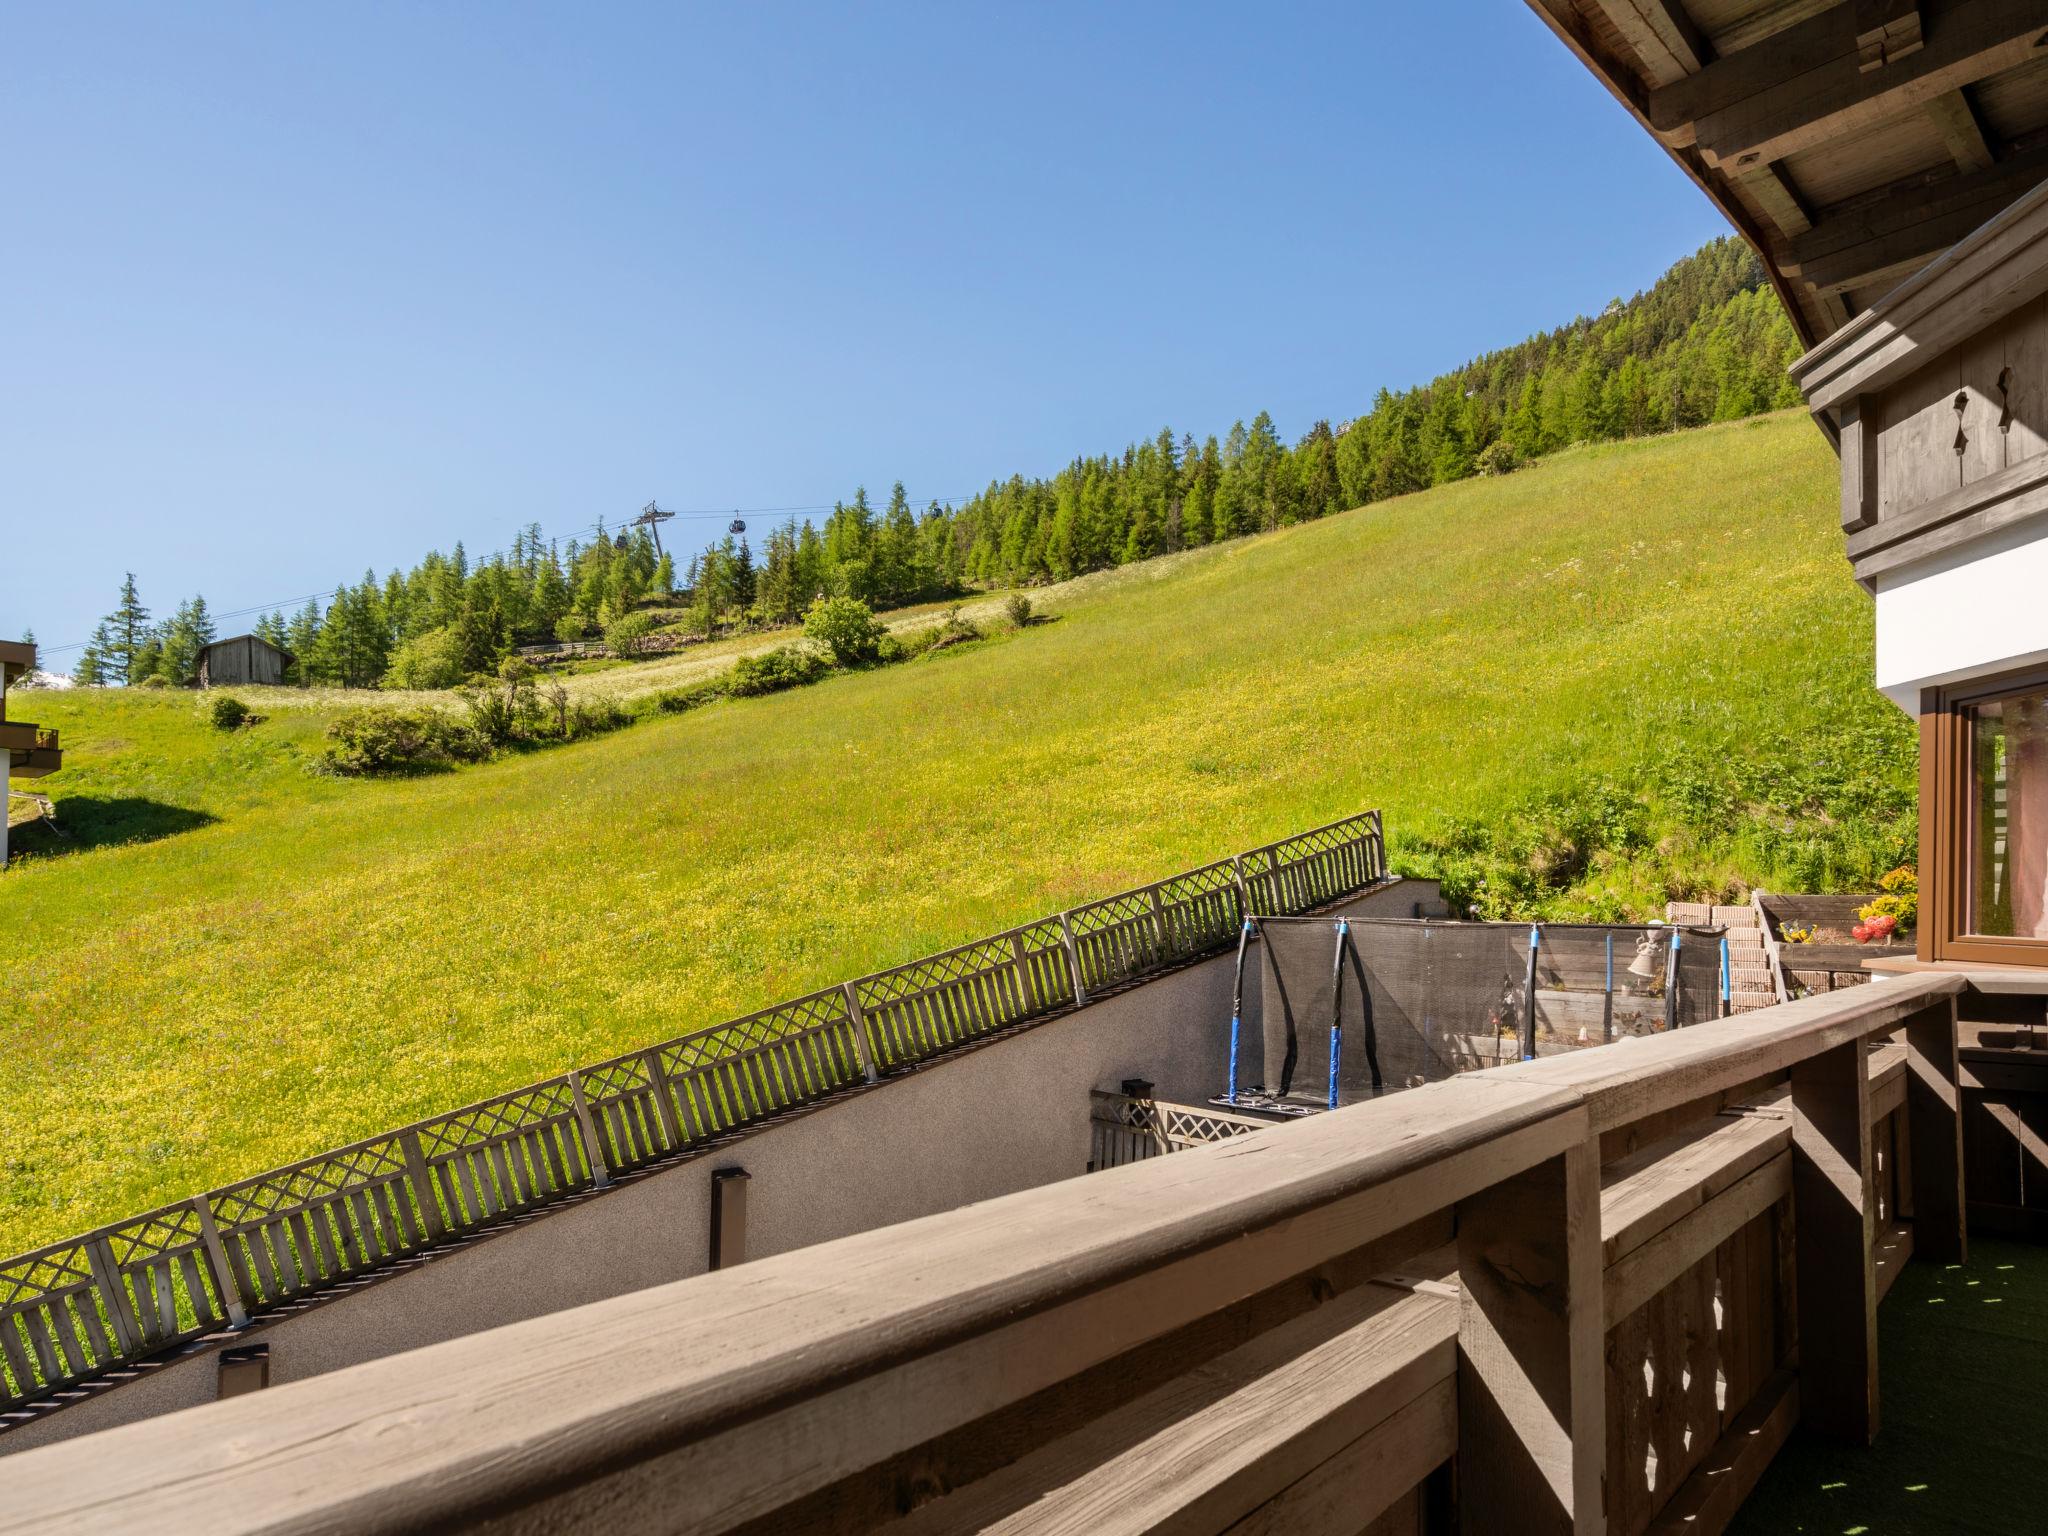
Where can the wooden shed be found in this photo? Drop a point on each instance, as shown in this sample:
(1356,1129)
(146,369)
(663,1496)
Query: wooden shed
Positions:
(244,659)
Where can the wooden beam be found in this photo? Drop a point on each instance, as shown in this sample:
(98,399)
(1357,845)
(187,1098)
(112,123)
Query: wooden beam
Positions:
(1934,1118)
(1767,22)
(1809,87)
(1956,121)
(1886,30)
(1835,1224)
(1210,1447)
(1774,193)
(1673,1251)
(1364,1481)
(1663,36)
(1860,426)
(1910,223)
(1532,1391)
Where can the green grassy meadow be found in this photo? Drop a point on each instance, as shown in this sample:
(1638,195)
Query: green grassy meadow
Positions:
(1627,672)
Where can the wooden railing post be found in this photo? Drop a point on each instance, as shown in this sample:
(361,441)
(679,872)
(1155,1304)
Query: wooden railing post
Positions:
(586,1126)
(1021,969)
(1073,960)
(422,1183)
(1934,1129)
(863,1047)
(217,1261)
(671,1123)
(1834,1222)
(1532,1391)
(106,1274)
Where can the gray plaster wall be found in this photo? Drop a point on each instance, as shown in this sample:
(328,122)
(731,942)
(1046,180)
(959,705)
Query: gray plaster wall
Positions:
(1011,1115)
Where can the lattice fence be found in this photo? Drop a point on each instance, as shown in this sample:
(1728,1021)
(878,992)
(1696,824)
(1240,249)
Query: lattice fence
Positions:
(1128,1130)
(73,1310)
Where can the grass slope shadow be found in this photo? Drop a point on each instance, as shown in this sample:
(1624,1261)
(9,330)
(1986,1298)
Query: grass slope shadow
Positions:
(85,822)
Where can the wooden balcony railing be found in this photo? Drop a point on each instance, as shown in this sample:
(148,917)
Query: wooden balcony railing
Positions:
(1595,1290)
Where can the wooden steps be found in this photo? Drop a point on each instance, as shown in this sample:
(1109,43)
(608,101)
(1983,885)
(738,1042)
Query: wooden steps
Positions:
(1750,983)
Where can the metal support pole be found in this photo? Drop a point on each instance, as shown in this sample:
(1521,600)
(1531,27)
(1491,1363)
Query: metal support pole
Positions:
(1337,1008)
(1244,935)
(1607,1000)
(1529,1002)
(1724,976)
(1671,980)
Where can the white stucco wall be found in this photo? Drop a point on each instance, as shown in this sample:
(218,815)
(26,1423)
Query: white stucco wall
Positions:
(1974,611)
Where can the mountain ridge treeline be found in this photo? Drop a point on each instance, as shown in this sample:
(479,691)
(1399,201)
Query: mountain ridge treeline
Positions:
(1707,342)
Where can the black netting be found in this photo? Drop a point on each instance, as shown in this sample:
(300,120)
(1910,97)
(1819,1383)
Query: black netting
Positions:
(1422,1000)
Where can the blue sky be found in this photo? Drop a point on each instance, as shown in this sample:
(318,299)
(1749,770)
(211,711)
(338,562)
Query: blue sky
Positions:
(296,290)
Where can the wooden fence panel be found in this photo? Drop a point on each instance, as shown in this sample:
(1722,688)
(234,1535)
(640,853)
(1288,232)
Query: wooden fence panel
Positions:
(929,1005)
(734,1074)
(500,1157)
(300,1228)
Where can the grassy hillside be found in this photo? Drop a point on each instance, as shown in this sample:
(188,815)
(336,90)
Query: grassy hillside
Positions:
(1632,670)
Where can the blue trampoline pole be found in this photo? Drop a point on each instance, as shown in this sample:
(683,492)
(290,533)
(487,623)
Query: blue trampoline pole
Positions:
(1724,976)
(1237,1007)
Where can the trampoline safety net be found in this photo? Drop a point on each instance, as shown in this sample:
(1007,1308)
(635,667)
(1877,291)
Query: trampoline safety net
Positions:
(1419,1001)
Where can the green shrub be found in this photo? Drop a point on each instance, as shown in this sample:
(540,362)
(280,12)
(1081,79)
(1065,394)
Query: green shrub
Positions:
(226,712)
(787,666)
(1498,458)
(627,634)
(847,628)
(678,701)
(571,627)
(1018,607)
(429,661)
(374,740)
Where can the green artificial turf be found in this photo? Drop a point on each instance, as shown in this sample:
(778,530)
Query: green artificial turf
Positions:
(1963,1373)
(1645,661)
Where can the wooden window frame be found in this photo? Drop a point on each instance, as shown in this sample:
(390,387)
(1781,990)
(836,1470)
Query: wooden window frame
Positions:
(1947,801)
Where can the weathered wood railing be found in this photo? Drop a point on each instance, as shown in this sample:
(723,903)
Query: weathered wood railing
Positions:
(1593,1289)
(75,1309)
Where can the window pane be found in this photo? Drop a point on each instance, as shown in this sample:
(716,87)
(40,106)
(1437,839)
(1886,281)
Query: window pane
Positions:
(2009,821)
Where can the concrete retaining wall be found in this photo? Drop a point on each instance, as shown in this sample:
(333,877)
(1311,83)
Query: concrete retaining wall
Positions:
(1011,1115)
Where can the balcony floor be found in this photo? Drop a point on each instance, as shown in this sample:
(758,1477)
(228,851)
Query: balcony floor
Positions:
(1963,1361)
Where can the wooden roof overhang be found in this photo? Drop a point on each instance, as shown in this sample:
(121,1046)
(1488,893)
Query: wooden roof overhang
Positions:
(1849,141)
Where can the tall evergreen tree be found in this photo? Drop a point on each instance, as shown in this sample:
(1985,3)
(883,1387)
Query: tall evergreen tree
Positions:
(128,634)
(93,669)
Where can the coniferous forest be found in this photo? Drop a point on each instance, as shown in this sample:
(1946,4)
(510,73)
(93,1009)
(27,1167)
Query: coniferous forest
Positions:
(1709,342)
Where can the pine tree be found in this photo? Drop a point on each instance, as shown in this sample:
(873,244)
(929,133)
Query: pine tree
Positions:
(190,629)
(128,627)
(93,670)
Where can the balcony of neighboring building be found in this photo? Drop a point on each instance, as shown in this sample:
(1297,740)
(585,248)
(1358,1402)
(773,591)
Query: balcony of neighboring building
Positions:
(32,751)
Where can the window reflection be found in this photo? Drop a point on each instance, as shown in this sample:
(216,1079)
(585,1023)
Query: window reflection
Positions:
(2008,875)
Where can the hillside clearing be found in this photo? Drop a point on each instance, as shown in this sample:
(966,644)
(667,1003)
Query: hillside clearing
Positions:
(290,961)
